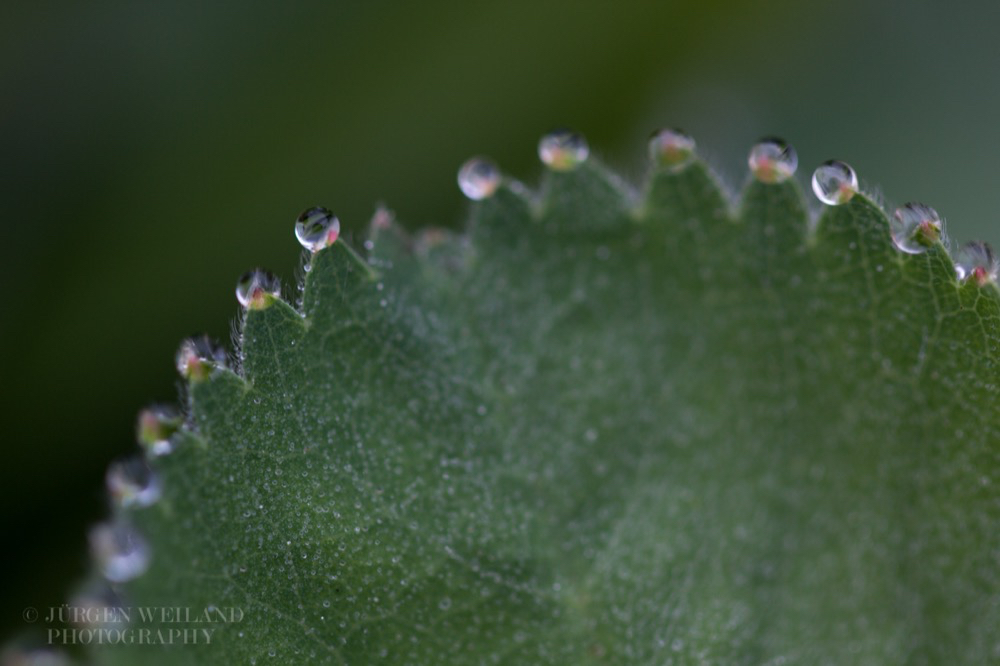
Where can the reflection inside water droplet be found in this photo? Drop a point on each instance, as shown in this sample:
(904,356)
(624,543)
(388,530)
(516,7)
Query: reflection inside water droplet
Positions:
(119,552)
(317,228)
(773,160)
(155,426)
(478,178)
(132,482)
(198,357)
(976,262)
(834,183)
(257,289)
(915,227)
(563,150)
(671,148)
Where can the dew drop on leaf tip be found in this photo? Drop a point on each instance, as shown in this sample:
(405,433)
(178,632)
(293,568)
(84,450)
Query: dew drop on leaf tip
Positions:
(317,228)
(257,289)
(671,148)
(198,357)
(155,426)
(132,483)
(773,160)
(915,228)
(563,150)
(120,553)
(834,183)
(976,262)
(479,178)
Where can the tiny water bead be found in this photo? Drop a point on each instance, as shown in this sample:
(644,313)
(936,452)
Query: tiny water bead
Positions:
(317,228)
(671,148)
(257,289)
(132,483)
(120,553)
(773,160)
(563,150)
(198,357)
(835,183)
(478,178)
(915,228)
(976,262)
(155,426)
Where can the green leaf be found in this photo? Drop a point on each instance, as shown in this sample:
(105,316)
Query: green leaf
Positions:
(600,427)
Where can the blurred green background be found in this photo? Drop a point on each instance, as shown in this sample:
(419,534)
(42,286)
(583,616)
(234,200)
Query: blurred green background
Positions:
(153,151)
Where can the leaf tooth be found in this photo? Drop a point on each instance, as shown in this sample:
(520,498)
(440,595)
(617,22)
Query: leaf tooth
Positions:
(912,239)
(219,394)
(490,218)
(589,198)
(442,249)
(386,242)
(858,235)
(687,222)
(336,273)
(210,383)
(858,229)
(773,229)
(268,342)
(772,205)
(673,197)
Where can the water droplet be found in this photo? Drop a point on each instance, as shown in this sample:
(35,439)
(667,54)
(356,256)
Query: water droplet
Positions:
(445,603)
(132,482)
(976,262)
(479,178)
(155,426)
(915,227)
(772,160)
(563,150)
(198,357)
(257,289)
(834,183)
(671,148)
(317,228)
(120,553)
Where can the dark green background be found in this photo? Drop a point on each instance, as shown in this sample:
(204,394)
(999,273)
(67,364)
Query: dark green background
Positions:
(153,151)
